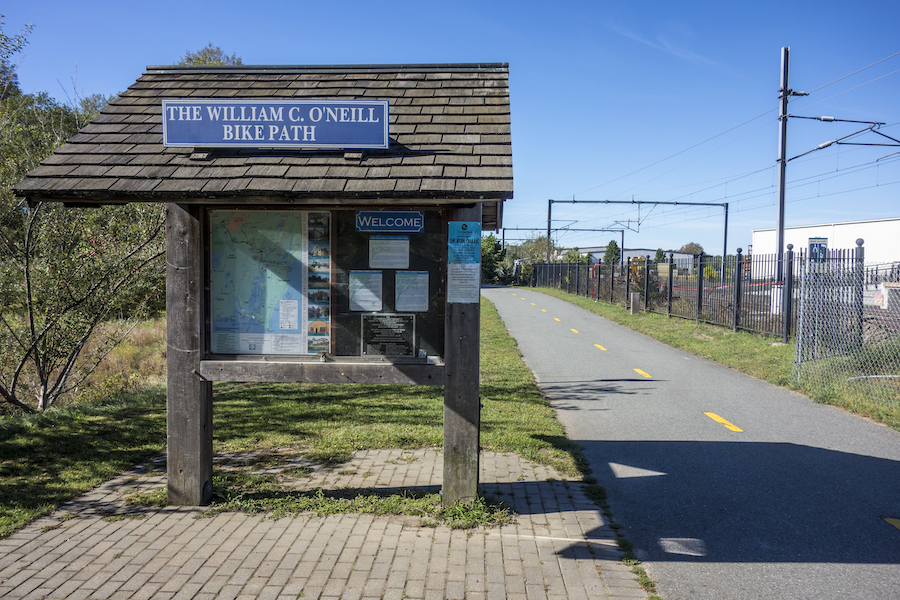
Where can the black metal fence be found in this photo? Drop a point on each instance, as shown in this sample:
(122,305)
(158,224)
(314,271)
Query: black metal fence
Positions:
(741,292)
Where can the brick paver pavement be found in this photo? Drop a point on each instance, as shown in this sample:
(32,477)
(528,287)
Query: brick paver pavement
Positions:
(559,546)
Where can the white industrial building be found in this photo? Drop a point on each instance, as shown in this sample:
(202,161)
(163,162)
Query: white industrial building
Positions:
(881,238)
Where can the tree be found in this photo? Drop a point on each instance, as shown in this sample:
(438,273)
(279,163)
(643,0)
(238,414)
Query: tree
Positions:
(612,254)
(63,271)
(660,256)
(209,55)
(534,250)
(492,255)
(9,81)
(691,248)
(574,256)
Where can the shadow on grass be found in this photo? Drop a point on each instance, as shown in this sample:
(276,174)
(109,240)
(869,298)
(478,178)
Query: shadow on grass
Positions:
(48,458)
(327,420)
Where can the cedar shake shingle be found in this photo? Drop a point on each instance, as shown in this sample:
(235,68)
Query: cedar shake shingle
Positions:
(449,129)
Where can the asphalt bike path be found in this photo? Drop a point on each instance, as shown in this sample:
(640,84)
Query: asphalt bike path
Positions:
(727,486)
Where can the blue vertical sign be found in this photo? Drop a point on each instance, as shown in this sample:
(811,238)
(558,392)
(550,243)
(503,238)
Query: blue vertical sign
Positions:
(818,250)
(464,262)
(464,242)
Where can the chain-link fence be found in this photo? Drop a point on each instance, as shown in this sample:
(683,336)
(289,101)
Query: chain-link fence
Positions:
(848,336)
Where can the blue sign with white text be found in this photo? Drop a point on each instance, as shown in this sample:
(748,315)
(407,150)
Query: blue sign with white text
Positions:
(387,221)
(217,123)
(464,242)
(818,250)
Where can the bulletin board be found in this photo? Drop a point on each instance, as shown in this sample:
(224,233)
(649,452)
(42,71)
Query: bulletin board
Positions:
(388,290)
(303,283)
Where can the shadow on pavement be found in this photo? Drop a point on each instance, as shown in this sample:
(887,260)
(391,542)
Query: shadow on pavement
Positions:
(750,502)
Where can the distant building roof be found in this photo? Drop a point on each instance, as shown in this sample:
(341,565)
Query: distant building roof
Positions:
(450,141)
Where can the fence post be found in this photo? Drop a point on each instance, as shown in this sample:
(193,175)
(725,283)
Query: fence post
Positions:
(738,275)
(628,282)
(669,287)
(699,306)
(612,280)
(858,283)
(587,278)
(594,279)
(647,283)
(788,292)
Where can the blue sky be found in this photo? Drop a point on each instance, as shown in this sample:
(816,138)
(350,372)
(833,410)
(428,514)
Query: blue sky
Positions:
(644,100)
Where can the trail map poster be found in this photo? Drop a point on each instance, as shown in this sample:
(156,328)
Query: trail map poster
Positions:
(269,282)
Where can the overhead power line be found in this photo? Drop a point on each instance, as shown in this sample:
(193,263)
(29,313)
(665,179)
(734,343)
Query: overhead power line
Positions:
(750,121)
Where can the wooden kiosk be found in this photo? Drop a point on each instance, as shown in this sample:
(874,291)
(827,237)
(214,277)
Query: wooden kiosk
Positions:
(323,225)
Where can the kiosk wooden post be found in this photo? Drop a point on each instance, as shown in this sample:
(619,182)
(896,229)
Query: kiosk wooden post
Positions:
(188,396)
(462,402)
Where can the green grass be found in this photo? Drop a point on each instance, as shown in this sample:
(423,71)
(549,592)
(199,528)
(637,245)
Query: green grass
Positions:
(328,422)
(254,493)
(47,459)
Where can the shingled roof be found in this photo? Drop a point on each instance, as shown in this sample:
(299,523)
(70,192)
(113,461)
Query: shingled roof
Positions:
(449,142)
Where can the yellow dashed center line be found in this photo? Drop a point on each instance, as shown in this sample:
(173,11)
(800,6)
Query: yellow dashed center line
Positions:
(543,310)
(719,419)
(574,330)
(639,372)
(601,347)
(556,318)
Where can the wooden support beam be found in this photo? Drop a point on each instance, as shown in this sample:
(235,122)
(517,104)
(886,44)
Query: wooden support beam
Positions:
(462,402)
(284,370)
(188,396)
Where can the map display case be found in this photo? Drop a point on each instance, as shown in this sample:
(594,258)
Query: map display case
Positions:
(270,275)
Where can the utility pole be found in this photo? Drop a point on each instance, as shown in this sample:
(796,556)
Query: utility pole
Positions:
(785,92)
(549,206)
(725,241)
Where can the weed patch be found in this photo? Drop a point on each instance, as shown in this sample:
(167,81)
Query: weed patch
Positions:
(254,493)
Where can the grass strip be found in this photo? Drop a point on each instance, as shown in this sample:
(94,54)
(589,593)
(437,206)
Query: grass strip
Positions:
(254,493)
